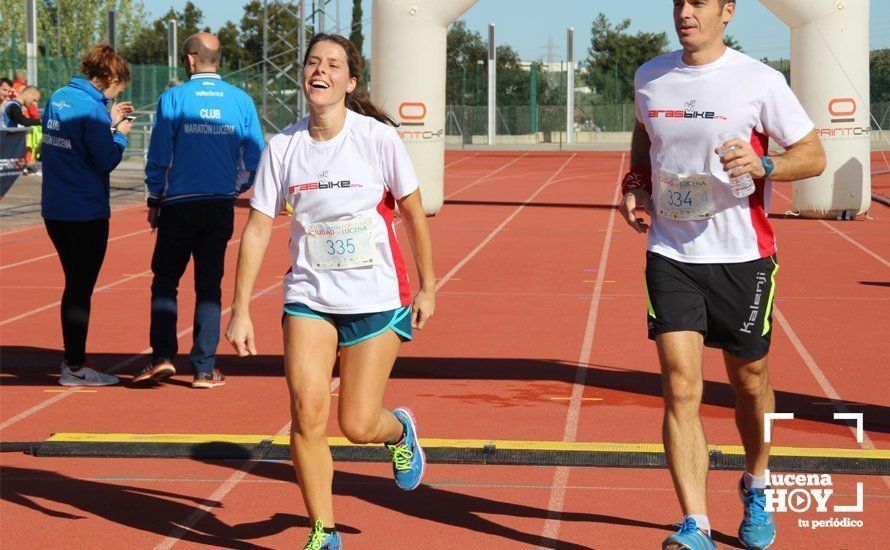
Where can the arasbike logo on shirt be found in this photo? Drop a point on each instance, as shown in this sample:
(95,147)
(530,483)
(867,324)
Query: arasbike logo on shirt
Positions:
(324,182)
(688,111)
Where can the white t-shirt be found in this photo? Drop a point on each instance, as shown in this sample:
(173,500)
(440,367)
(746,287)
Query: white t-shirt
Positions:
(352,182)
(685,109)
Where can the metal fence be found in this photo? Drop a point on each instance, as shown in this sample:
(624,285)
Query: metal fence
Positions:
(542,121)
(513,120)
(880,113)
(535,123)
(150,81)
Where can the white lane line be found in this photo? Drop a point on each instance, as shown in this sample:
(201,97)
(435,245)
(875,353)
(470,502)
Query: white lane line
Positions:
(821,379)
(857,244)
(239,475)
(122,364)
(148,271)
(561,476)
(850,239)
(219,494)
(39,225)
(498,229)
(133,358)
(54,254)
(458,161)
(486,176)
(104,287)
(54,304)
(115,368)
(36,408)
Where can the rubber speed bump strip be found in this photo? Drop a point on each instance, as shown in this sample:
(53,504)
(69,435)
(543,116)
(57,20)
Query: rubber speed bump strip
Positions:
(453,451)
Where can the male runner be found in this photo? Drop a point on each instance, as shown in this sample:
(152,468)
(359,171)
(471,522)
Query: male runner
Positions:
(711,258)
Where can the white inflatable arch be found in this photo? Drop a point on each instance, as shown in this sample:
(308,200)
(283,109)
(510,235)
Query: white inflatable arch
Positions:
(408,80)
(830,76)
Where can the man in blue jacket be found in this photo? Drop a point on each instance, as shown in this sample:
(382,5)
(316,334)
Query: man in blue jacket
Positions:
(205,147)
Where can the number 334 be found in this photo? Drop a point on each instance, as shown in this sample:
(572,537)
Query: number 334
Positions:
(676,198)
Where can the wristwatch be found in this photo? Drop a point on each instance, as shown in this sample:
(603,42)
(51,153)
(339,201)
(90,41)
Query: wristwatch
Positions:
(768,165)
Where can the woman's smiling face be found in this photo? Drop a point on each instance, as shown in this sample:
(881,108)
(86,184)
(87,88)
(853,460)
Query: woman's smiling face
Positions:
(326,78)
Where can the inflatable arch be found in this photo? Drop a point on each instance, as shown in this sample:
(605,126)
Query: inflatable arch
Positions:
(829,68)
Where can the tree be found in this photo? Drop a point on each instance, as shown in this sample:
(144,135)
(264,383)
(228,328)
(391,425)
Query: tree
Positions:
(69,28)
(514,82)
(233,53)
(731,42)
(465,58)
(282,87)
(150,45)
(467,71)
(879,63)
(615,55)
(281,22)
(356,35)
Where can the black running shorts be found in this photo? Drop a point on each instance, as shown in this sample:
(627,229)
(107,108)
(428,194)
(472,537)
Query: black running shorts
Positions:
(729,304)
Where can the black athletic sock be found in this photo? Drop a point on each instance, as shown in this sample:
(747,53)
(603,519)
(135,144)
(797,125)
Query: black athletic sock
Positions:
(402,437)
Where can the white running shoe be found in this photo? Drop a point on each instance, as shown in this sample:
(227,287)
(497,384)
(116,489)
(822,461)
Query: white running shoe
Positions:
(86,376)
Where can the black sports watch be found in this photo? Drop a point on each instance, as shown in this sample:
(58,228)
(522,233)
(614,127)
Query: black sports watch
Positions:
(768,165)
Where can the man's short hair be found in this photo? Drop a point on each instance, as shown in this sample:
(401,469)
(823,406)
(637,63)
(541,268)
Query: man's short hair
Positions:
(4,80)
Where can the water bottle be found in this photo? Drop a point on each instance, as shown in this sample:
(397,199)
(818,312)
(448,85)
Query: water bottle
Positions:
(743,185)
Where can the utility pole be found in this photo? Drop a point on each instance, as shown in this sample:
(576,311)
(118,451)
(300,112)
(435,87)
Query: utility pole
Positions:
(492,86)
(31,42)
(112,28)
(570,86)
(171,48)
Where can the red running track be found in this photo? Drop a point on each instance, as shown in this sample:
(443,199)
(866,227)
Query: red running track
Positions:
(539,335)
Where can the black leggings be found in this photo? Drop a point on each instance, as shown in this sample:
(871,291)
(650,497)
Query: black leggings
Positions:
(81,247)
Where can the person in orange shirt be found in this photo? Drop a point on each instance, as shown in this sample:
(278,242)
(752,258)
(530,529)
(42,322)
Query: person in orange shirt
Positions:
(21,82)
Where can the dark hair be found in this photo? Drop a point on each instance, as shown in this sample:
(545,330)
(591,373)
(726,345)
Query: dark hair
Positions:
(104,64)
(4,80)
(356,100)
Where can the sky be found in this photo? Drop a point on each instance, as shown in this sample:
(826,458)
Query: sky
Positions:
(528,27)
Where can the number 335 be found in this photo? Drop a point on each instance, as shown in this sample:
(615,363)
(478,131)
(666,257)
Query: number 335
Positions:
(340,247)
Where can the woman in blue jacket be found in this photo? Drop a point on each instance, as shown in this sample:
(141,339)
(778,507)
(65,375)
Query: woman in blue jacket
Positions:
(83,142)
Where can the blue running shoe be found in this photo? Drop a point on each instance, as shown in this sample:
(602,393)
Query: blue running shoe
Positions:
(408,460)
(319,540)
(689,537)
(757,531)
